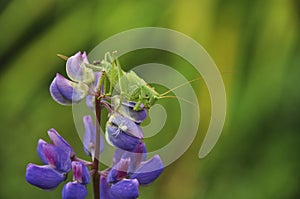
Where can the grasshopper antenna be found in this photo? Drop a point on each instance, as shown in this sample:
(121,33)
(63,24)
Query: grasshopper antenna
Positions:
(62,56)
(176,97)
(180,86)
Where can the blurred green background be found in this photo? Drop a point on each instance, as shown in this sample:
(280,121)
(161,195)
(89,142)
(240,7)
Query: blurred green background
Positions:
(255,44)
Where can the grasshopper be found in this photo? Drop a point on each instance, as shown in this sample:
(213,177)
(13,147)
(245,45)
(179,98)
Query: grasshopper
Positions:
(128,84)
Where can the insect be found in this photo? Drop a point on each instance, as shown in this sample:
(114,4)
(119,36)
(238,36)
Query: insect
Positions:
(128,84)
(132,87)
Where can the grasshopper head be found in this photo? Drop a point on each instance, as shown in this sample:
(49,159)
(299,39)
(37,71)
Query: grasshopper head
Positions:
(148,96)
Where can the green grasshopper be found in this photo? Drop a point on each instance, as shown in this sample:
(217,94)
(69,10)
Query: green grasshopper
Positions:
(128,84)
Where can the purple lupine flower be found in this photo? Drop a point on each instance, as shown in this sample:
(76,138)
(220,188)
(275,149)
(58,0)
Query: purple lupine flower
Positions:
(126,109)
(123,132)
(131,170)
(56,156)
(89,138)
(146,172)
(74,190)
(65,91)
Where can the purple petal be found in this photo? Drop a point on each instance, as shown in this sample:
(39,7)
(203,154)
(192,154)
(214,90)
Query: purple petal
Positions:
(74,190)
(55,157)
(125,189)
(56,94)
(60,142)
(126,109)
(44,177)
(71,91)
(118,155)
(119,171)
(89,139)
(137,155)
(90,102)
(104,188)
(41,152)
(120,139)
(148,171)
(81,173)
(126,125)
(76,69)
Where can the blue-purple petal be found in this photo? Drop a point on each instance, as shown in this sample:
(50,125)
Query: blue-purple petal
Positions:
(119,171)
(56,157)
(60,142)
(71,91)
(81,173)
(44,177)
(138,155)
(148,171)
(76,69)
(89,138)
(125,189)
(105,189)
(40,151)
(120,139)
(90,102)
(56,94)
(74,190)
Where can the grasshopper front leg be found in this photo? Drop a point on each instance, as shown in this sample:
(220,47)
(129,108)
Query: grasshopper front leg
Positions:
(120,74)
(137,106)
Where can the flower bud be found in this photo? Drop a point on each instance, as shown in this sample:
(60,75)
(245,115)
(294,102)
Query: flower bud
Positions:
(81,173)
(76,69)
(125,189)
(89,138)
(74,190)
(44,177)
(60,142)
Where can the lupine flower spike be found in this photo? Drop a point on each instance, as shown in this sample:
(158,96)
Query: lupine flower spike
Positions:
(130,168)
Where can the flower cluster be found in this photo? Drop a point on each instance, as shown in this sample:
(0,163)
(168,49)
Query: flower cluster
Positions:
(130,167)
(59,159)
